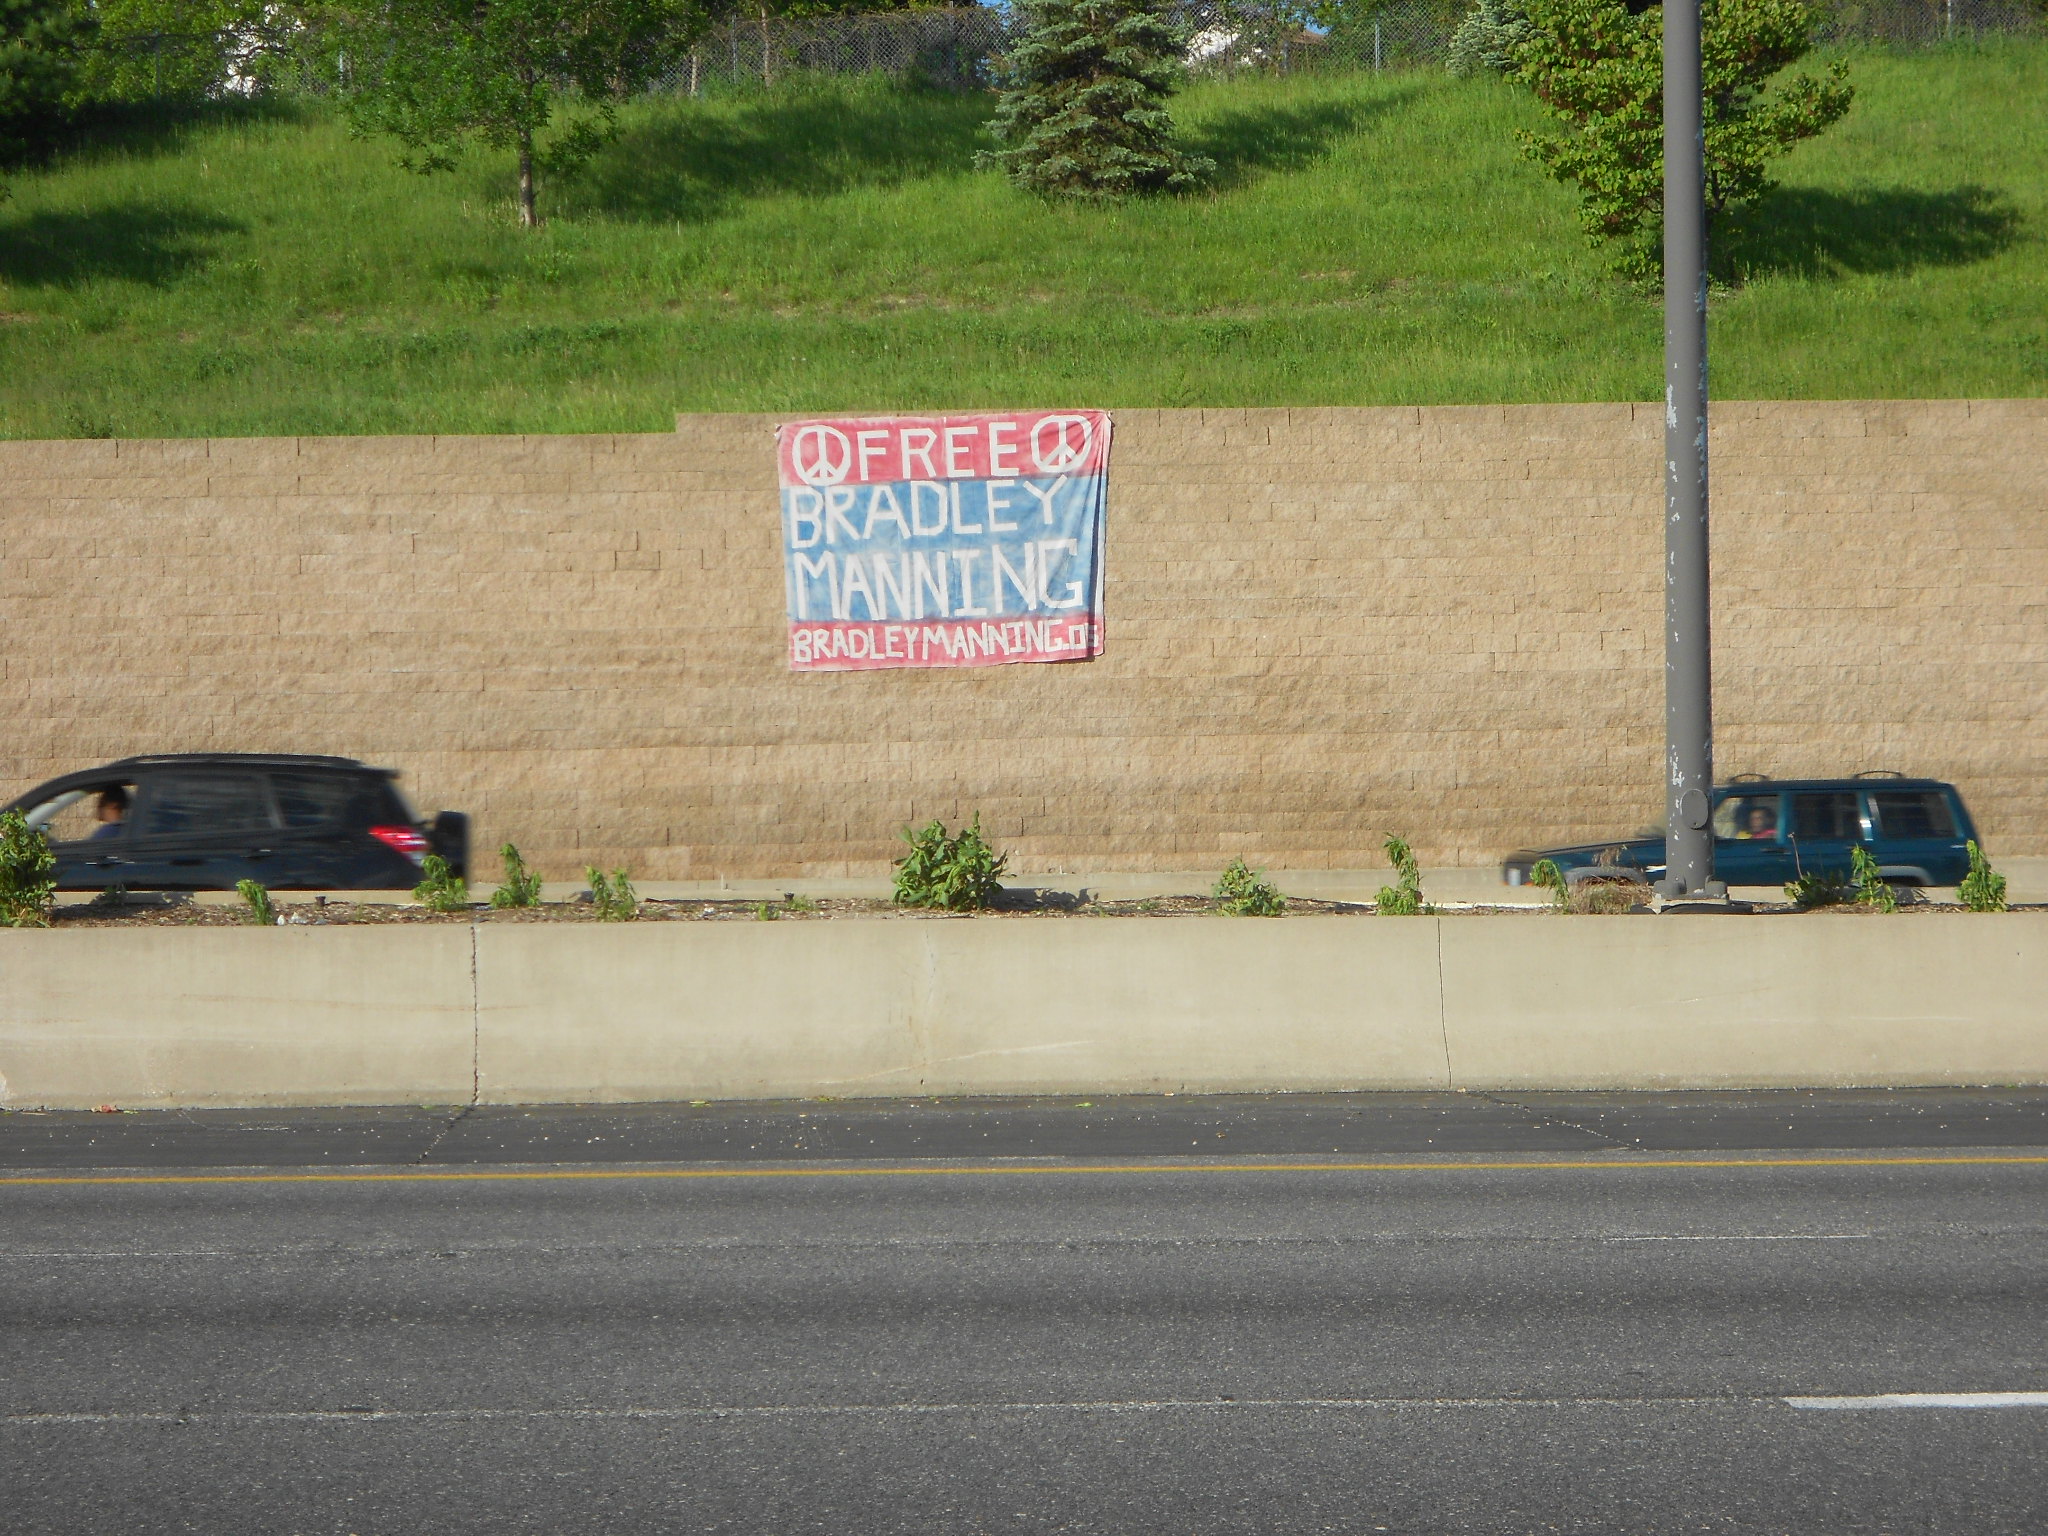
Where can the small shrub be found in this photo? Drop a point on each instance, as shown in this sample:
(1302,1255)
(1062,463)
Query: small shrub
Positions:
(27,887)
(1983,888)
(1404,897)
(957,874)
(1817,888)
(1246,894)
(440,888)
(1545,873)
(256,898)
(522,885)
(613,898)
(1872,889)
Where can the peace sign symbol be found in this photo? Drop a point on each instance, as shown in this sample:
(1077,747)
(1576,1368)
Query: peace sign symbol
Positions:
(821,455)
(1062,453)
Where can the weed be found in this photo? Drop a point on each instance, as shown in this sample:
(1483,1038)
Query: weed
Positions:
(1404,897)
(1244,893)
(957,874)
(1872,889)
(256,898)
(1545,873)
(796,901)
(1983,888)
(766,912)
(1603,898)
(522,885)
(112,899)
(27,887)
(1818,888)
(613,898)
(440,888)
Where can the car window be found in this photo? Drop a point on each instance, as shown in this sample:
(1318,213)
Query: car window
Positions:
(1912,813)
(1747,818)
(93,814)
(202,804)
(316,799)
(1826,816)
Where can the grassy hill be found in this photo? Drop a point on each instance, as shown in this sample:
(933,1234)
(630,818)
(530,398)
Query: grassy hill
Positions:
(1374,240)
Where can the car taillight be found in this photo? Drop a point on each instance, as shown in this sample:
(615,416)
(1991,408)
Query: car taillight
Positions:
(410,841)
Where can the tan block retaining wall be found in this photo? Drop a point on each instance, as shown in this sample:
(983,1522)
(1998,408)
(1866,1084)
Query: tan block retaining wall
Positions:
(1323,625)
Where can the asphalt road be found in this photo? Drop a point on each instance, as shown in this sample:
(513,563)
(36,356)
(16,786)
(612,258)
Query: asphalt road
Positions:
(1545,1316)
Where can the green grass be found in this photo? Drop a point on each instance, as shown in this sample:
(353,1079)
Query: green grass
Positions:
(1375,240)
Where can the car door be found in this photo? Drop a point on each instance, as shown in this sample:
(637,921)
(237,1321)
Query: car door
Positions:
(1914,829)
(318,849)
(204,829)
(87,828)
(1749,846)
(1825,825)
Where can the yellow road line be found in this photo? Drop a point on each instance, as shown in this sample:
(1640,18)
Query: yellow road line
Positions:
(948,1170)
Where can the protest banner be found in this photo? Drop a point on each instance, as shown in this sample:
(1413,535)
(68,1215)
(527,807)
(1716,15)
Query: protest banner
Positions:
(943,541)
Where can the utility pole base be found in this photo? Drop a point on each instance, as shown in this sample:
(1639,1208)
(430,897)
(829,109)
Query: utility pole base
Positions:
(1681,905)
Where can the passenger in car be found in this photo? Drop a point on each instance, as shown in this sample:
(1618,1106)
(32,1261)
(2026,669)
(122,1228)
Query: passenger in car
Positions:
(112,813)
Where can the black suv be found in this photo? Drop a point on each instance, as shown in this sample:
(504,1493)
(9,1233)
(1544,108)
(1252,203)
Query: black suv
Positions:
(203,821)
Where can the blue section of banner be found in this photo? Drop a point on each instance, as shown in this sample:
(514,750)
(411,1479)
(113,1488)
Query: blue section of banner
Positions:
(944,549)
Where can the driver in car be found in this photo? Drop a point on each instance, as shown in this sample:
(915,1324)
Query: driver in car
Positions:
(111,813)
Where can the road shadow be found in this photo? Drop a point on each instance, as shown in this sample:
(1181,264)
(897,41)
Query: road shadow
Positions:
(685,165)
(130,242)
(1807,232)
(1249,142)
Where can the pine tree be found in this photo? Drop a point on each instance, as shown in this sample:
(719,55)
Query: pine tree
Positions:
(1487,38)
(39,43)
(1083,109)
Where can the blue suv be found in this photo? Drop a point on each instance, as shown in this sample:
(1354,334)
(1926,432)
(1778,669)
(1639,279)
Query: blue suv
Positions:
(1769,831)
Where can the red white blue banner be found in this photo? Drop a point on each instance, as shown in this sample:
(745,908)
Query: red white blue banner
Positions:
(943,541)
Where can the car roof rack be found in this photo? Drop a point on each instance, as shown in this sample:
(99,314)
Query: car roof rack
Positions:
(280,759)
(1749,778)
(1878,773)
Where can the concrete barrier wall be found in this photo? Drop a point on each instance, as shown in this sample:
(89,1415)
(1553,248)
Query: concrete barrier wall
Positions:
(157,1016)
(557,1013)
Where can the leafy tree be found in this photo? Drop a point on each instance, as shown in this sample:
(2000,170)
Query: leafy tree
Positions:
(39,43)
(439,74)
(1599,69)
(179,50)
(1083,106)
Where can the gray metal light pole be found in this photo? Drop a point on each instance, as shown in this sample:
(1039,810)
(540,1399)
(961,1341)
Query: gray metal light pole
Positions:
(1688,660)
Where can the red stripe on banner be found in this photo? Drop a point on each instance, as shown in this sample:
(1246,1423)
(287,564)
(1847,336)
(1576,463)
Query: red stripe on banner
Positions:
(858,646)
(1002,445)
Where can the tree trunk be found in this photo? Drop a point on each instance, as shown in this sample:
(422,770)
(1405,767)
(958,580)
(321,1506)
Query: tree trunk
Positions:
(529,217)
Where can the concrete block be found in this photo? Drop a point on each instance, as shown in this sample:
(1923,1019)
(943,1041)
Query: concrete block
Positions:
(211,1016)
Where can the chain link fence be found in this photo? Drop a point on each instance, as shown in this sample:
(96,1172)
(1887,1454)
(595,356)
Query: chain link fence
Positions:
(958,48)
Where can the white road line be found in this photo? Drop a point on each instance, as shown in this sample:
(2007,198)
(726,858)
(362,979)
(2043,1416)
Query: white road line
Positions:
(1747,1237)
(232,1416)
(851,1410)
(1928,1400)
